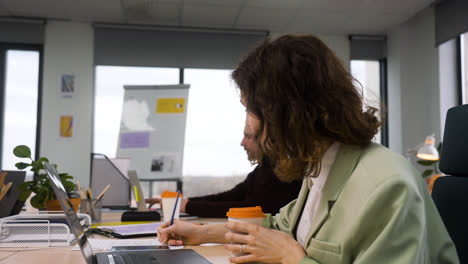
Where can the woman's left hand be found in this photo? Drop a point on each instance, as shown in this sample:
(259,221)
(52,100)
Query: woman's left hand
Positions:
(262,244)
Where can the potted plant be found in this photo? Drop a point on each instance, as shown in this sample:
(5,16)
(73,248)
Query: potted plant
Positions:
(44,195)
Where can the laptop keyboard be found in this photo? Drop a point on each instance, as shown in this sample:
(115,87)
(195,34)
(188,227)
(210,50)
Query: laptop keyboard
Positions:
(135,259)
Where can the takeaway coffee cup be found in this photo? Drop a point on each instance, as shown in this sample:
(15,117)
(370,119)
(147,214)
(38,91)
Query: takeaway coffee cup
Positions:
(168,200)
(253,215)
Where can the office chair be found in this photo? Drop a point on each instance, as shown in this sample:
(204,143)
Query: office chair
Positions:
(450,194)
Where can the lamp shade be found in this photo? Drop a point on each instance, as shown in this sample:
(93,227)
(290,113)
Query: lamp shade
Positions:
(428,150)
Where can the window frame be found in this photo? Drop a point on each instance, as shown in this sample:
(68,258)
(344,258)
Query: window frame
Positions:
(4,47)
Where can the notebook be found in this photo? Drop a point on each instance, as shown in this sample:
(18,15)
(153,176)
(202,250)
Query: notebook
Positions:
(162,256)
(128,231)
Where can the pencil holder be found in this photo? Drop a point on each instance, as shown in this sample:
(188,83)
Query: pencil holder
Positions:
(93,208)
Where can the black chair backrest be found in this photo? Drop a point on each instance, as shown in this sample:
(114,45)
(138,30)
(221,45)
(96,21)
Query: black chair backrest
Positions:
(450,194)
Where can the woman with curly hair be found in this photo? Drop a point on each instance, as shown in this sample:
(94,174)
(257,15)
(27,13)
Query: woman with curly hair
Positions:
(359,202)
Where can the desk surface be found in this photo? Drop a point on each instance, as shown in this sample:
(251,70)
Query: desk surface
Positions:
(215,254)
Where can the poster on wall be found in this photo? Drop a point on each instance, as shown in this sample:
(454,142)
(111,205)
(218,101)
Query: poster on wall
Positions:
(66,126)
(67,87)
(170,105)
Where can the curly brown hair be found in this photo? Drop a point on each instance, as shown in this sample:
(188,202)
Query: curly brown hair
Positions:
(305,99)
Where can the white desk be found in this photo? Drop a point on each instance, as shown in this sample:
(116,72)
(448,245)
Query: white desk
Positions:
(214,254)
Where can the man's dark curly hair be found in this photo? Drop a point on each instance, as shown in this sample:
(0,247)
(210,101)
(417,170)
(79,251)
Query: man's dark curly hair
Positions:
(305,99)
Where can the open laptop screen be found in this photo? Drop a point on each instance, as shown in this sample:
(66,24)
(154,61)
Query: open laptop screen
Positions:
(70,214)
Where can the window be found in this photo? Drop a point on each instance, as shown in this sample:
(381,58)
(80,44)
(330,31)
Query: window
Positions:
(367,73)
(464,67)
(109,94)
(215,125)
(20,99)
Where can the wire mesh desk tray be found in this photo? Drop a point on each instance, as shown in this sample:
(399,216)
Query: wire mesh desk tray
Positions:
(38,230)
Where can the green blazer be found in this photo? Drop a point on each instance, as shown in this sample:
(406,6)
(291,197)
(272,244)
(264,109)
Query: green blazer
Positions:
(375,208)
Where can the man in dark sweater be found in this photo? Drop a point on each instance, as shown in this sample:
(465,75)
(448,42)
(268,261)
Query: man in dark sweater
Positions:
(261,187)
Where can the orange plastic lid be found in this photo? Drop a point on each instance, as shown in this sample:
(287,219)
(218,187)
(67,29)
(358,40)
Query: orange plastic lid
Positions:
(168,194)
(246,212)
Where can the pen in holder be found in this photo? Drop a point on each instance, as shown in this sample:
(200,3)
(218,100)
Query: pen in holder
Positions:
(92,207)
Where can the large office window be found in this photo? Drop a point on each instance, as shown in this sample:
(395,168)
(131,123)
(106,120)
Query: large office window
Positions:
(464,68)
(109,95)
(19,102)
(215,124)
(367,73)
(215,116)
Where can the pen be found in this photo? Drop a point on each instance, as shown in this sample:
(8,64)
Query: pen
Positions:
(175,207)
(102,193)
(90,193)
(79,189)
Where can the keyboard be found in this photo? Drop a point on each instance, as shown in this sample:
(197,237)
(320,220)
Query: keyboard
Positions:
(107,244)
(135,259)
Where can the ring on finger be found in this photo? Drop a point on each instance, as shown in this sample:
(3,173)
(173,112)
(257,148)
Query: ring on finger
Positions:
(241,250)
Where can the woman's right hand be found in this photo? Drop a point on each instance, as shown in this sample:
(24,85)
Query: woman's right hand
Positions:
(179,233)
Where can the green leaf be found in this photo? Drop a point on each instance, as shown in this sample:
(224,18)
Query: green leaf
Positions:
(41,159)
(426,162)
(22,165)
(22,151)
(65,176)
(37,201)
(23,196)
(426,173)
(25,186)
(69,186)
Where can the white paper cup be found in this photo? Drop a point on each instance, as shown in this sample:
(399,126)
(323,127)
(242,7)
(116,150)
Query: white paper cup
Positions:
(168,200)
(252,215)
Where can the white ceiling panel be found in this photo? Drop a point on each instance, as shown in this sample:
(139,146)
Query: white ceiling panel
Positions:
(314,21)
(102,10)
(3,10)
(321,16)
(273,19)
(43,8)
(333,5)
(154,13)
(231,3)
(208,16)
(412,6)
(274,3)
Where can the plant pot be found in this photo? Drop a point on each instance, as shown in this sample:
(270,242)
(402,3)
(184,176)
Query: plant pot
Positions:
(430,181)
(54,205)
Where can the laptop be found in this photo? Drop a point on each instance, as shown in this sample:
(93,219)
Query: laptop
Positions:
(160,256)
(9,193)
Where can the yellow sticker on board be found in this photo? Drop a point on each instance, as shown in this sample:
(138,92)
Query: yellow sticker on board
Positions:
(170,105)
(66,126)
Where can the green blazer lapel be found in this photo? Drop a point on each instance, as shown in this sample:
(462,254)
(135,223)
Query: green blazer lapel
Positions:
(303,194)
(345,162)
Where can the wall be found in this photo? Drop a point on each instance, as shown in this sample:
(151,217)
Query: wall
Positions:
(413,82)
(68,49)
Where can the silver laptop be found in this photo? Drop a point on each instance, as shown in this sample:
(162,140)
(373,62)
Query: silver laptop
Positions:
(161,256)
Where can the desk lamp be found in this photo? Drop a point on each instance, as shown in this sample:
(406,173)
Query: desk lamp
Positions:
(428,150)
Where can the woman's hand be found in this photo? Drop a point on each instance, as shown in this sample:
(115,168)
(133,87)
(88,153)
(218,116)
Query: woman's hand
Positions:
(179,233)
(152,201)
(262,244)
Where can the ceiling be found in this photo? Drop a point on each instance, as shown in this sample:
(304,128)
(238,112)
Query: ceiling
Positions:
(317,16)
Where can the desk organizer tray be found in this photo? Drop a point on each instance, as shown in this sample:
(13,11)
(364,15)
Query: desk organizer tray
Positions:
(38,230)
